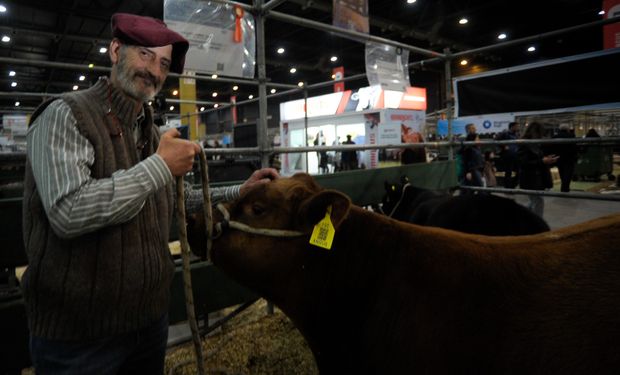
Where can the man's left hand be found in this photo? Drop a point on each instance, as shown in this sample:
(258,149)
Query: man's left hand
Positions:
(261,176)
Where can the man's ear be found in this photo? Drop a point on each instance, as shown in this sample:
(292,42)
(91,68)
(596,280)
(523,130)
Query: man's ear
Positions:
(313,209)
(114,50)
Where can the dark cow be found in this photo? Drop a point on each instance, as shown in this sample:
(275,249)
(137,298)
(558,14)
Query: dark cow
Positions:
(471,213)
(396,298)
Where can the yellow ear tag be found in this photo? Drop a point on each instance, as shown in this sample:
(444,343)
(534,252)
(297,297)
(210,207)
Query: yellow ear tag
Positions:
(323,232)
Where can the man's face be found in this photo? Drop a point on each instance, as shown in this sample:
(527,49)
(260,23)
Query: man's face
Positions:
(141,71)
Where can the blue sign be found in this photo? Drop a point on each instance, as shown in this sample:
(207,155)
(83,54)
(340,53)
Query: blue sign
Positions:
(486,124)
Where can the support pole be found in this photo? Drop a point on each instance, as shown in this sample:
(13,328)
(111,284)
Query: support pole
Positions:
(261,125)
(449,100)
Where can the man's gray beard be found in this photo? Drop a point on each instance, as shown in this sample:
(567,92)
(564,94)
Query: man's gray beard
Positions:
(126,80)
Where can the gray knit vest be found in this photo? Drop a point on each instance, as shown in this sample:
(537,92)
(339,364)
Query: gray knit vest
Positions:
(116,279)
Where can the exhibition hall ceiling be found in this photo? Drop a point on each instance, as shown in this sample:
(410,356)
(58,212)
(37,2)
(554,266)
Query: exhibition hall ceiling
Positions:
(74,31)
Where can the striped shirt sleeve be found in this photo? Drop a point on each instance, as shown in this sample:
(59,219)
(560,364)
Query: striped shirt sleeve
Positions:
(74,201)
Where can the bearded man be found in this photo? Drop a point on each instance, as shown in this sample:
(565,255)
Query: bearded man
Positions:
(98,202)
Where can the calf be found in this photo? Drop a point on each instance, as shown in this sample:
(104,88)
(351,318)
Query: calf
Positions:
(472,213)
(396,298)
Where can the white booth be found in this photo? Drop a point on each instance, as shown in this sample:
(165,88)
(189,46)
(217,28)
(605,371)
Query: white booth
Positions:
(369,116)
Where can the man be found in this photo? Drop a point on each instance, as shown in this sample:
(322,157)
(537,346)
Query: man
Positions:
(567,157)
(349,158)
(508,155)
(98,201)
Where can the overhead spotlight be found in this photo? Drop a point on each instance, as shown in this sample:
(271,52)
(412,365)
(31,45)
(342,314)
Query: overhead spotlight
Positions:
(463,21)
(214,94)
(215,105)
(202,109)
(103,50)
(235,88)
(13,84)
(280,50)
(293,70)
(17,104)
(531,49)
(601,13)
(502,36)
(91,65)
(333,76)
(75,87)
(2,9)
(12,73)
(273,91)
(300,84)
(333,58)
(411,1)
(6,38)
(214,76)
(172,108)
(250,96)
(82,78)
(175,92)
(463,62)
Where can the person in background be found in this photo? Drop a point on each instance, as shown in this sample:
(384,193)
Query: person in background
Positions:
(98,203)
(473,162)
(567,154)
(534,173)
(508,155)
(349,158)
(489,169)
(323,167)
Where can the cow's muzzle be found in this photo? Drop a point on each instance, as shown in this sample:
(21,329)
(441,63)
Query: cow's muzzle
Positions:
(226,224)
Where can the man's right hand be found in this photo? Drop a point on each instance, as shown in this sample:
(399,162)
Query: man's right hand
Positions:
(177,153)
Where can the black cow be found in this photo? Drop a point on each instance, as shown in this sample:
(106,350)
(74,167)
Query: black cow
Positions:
(472,213)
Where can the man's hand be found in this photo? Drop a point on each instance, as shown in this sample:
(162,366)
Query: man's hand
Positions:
(550,159)
(261,176)
(177,153)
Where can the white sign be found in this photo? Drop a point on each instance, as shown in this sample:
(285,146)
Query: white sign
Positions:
(322,105)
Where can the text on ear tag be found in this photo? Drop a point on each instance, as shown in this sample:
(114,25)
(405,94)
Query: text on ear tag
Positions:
(323,232)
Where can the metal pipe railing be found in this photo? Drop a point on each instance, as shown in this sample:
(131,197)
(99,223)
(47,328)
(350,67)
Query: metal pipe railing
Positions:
(546,193)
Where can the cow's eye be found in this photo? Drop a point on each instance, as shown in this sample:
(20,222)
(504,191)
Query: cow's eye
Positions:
(258,209)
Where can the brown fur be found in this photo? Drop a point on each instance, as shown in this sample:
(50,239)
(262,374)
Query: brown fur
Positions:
(397,298)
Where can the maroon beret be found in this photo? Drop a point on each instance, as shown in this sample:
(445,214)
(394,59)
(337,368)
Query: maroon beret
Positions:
(150,32)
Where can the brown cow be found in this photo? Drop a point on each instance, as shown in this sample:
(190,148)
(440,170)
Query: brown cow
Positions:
(397,298)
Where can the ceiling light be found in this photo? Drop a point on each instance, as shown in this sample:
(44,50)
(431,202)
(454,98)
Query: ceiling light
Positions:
(2,9)
(463,62)
(214,76)
(235,88)
(333,58)
(280,50)
(273,91)
(215,105)
(531,49)
(75,87)
(501,36)
(411,1)
(251,96)
(300,84)
(17,104)
(13,84)
(6,38)
(82,78)
(202,109)
(172,108)
(601,13)
(103,50)
(150,102)
(12,73)
(91,65)
(333,76)
(463,21)
(293,70)
(175,92)
(214,94)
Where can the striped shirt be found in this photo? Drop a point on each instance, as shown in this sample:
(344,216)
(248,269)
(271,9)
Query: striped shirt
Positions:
(74,201)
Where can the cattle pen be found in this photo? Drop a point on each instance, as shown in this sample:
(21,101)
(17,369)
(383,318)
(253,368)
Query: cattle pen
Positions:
(219,299)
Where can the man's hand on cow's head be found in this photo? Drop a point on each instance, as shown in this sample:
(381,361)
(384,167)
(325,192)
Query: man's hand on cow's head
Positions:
(177,153)
(261,176)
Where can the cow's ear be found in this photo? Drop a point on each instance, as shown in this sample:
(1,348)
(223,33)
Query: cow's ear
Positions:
(314,208)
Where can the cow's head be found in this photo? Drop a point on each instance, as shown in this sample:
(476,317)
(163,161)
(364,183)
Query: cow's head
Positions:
(292,204)
(393,194)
